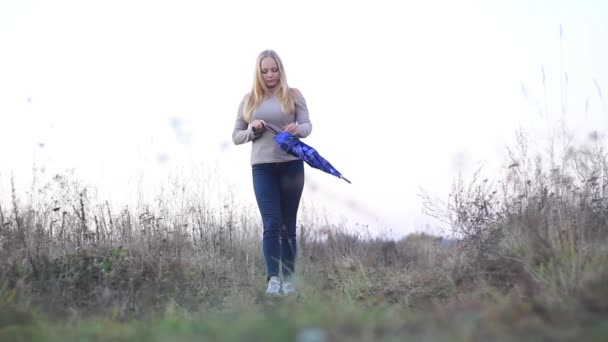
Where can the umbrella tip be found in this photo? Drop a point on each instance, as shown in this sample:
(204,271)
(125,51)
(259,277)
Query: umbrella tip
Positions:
(349,182)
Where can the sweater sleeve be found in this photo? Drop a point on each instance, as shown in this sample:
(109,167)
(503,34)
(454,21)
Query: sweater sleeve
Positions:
(301,115)
(242,132)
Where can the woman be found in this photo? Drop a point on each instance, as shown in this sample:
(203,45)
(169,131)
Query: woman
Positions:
(278,177)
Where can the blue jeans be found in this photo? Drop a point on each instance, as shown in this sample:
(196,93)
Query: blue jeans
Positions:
(278,189)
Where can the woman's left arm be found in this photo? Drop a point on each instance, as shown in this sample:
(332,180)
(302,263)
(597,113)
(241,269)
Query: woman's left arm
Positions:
(301,115)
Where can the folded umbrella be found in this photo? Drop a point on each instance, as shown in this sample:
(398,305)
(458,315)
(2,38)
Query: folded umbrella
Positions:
(294,146)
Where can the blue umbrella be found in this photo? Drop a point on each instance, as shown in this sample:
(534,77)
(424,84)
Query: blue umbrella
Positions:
(294,146)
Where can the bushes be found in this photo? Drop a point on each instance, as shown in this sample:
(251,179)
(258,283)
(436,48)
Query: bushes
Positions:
(540,228)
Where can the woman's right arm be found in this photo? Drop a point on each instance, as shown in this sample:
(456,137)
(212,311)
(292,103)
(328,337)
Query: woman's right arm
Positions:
(242,132)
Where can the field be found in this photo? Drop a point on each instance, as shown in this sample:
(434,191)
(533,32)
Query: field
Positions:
(527,259)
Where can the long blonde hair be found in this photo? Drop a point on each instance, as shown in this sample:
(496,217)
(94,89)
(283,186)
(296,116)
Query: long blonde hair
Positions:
(259,91)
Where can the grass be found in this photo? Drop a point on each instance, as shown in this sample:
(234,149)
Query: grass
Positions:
(326,317)
(527,261)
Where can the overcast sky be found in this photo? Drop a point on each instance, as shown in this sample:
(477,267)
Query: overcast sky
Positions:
(401,95)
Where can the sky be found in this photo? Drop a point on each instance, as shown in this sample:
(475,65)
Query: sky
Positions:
(402,96)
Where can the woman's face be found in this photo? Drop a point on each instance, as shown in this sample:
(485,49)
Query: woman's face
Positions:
(270,71)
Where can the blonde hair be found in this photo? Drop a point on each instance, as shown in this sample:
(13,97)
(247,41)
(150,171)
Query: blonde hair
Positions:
(259,91)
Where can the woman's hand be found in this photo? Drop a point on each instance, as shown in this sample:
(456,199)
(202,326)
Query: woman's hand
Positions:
(258,125)
(292,128)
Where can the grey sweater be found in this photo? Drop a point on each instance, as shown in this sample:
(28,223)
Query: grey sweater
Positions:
(264,149)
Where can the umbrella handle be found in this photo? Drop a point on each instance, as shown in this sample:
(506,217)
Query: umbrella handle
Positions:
(274,131)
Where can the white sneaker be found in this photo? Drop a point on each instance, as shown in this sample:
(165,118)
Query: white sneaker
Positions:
(274,286)
(289,289)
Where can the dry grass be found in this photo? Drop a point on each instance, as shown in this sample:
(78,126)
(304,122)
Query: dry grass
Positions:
(529,260)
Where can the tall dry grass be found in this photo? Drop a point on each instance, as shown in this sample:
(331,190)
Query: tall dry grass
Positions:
(529,253)
(65,254)
(540,229)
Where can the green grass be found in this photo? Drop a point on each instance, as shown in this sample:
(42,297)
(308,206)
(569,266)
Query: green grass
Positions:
(288,320)
(318,314)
